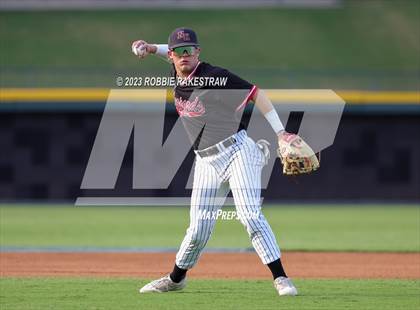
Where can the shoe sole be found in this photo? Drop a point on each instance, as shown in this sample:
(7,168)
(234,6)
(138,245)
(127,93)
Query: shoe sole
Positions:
(290,292)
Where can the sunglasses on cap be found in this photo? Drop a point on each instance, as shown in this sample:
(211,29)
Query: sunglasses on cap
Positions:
(182,50)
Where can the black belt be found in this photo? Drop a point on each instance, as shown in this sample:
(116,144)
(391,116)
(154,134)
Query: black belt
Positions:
(214,150)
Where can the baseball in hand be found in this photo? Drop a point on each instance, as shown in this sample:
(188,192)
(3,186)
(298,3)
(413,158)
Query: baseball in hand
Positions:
(139,48)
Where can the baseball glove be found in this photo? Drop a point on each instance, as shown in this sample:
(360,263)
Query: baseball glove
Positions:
(296,155)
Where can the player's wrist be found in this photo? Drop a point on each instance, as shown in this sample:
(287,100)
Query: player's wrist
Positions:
(151,48)
(281,133)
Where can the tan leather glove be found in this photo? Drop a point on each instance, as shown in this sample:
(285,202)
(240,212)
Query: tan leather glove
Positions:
(296,155)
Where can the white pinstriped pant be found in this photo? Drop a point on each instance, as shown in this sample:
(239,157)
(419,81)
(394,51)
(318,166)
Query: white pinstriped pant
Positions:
(237,168)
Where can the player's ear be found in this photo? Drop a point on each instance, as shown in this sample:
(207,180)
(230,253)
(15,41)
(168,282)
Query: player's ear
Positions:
(170,56)
(197,52)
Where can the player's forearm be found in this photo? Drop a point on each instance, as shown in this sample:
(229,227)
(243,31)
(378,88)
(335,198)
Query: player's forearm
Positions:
(141,49)
(264,104)
(262,101)
(160,50)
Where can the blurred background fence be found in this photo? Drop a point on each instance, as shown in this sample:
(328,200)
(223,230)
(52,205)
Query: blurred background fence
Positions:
(366,50)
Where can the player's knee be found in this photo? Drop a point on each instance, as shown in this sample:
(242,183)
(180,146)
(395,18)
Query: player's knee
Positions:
(254,229)
(252,220)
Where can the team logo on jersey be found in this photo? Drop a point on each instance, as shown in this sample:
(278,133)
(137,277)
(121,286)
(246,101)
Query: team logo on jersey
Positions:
(189,108)
(182,35)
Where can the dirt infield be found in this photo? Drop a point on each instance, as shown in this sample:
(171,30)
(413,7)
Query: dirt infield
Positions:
(213,265)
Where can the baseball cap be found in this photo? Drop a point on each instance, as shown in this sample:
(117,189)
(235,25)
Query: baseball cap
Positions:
(182,37)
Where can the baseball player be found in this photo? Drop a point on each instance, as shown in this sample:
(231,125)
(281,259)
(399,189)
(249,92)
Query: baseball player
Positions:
(226,158)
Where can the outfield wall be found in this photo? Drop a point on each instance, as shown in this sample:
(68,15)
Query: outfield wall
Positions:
(374,157)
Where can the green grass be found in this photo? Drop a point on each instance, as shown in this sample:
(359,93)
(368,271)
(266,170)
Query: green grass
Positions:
(312,227)
(372,36)
(48,293)
(321,39)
